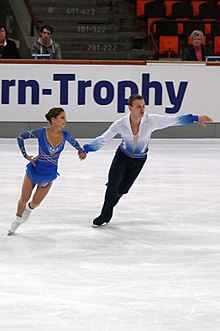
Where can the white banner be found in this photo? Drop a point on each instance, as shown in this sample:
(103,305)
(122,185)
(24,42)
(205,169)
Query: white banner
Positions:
(99,93)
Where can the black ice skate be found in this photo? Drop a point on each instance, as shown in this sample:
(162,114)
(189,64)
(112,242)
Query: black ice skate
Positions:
(101,220)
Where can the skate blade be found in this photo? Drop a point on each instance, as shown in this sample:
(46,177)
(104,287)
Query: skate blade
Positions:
(13,229)
(100,226)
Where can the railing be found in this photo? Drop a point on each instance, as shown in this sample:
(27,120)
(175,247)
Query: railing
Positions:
(33,17)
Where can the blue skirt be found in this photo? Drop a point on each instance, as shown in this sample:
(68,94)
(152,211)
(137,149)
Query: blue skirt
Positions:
(41,173)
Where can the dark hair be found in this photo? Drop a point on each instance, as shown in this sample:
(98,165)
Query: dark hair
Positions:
(3,27)
(134,97)
(53,112)
(48,27)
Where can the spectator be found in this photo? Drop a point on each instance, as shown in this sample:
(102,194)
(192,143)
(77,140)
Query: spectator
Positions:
(45,44)
(8,49)
(196,51)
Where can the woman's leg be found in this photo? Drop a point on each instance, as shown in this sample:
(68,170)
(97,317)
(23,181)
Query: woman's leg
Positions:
(23,212)
(39,195)
(26,191)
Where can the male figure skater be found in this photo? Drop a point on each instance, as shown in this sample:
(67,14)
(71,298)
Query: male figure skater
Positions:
(135,129)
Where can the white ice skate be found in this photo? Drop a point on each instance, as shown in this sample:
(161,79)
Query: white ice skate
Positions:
(18,221)
(26,213)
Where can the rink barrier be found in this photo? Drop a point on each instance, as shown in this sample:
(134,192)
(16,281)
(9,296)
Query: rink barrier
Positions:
(95,93)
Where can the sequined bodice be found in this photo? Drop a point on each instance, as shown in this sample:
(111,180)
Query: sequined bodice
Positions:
(53,149)
(47,153)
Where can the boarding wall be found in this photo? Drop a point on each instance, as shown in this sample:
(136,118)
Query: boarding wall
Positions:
(95,94)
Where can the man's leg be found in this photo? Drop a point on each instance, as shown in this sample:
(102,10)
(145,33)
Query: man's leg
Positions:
(116,174)
(132,169)
(122,174)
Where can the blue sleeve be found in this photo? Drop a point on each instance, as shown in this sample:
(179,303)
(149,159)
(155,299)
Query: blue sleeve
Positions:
(187,119)
(162,121)
(94,145)
(73,141)
(100,141)
(27,135)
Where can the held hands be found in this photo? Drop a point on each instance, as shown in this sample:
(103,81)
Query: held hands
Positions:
(82,155)
(203,119)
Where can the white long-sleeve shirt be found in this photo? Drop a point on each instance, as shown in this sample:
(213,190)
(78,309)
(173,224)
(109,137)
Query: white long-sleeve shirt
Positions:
(137,146)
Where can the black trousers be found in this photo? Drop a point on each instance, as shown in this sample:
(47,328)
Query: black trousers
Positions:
(122,174)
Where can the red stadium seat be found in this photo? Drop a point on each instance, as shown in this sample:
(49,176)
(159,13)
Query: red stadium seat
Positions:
(169,4)
(180,29)
(140,6)
(151,20)
(216,41)
(208,26)
(182,10)
(168,45)
(196,5)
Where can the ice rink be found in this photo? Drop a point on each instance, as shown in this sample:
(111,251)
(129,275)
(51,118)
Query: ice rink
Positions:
(155,267)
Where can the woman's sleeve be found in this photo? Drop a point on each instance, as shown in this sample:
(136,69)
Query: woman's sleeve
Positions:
(73,142)
(27,135)
(98,142)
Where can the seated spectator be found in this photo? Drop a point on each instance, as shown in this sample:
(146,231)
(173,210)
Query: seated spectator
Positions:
(45,44)
(196,51)
(8,49)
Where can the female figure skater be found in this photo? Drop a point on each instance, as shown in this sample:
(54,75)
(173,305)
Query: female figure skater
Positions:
(135,129)
(41,171)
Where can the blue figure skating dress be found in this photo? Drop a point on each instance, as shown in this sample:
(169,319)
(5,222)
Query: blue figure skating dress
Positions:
(46,163)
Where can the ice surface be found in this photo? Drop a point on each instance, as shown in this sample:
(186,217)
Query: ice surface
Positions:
(155,267)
